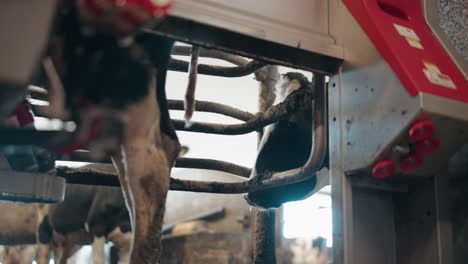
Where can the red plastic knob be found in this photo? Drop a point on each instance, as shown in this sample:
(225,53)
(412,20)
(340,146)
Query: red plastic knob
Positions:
(421,130)
(411,162)
(427,146)
(383,169)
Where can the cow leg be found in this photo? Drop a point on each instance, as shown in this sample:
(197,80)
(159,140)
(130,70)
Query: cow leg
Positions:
(68,250)
(11,255)
(43,253)
(114,255)
(98,250)
(124,255)
(122,241)
(43,250)
(58,253)
(147,165)
(149,183)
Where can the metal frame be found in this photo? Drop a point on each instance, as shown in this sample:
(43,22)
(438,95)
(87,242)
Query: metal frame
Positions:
(299,24)
(29,187)
(233,42)
(403,219)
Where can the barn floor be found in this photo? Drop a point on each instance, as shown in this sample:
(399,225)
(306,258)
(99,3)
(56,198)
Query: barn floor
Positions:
(206,248)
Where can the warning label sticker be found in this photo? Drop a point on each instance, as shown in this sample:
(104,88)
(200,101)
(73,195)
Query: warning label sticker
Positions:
(410,36)
(435,76)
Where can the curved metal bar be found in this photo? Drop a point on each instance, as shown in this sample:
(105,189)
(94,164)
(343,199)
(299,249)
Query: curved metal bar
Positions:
(192,163)
(314,163)
(319,141)
(222,71)
(38,93)
(210,53)
(211,107)
(210,164)
(201,106)
(191,86)
(24,136)
(296,101)
(87,176)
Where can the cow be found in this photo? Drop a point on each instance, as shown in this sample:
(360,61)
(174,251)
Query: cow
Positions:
(311,251)
(27,234)
(125,75)
(18,232)
(285,145)
(88,215)
(18,223)
(18,254)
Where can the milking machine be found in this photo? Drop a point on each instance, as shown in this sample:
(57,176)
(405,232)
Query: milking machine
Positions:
(397,105)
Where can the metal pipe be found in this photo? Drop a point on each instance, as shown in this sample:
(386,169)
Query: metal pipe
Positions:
(211,107)
(264,224)
(210,164)
(211,53)
(222,71)
(313,164)
(189,163)
(201,106)
(300,99)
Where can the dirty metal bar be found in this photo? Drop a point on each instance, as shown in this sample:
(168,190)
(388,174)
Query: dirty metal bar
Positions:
(264,231)
(211,37)
(201,106)
(87,176)
(47,139)
(189,163)
(255,184)
(222,71)
(300,99)
(314,163)
(211,53)
(189,103)
(211,107)
(210,164)
(94,177)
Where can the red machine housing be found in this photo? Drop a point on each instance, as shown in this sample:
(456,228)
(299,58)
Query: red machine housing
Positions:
(400,33)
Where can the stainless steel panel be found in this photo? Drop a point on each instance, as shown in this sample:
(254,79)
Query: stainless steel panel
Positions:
(29,187)
(301,23)
(374,227)
(342,209)
(375,109)
(369,113)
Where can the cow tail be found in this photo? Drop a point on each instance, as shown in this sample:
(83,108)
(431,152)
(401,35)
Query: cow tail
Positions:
(45,231)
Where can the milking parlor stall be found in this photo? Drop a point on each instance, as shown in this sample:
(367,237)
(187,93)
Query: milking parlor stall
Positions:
(220,131)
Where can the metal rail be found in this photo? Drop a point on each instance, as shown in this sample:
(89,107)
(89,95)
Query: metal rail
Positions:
(259,182)
(313,164)
(214,70)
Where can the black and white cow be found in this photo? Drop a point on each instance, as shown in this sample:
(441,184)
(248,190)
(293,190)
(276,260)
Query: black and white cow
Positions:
(97,210)
(88,215)
(125,75)
(285,145)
